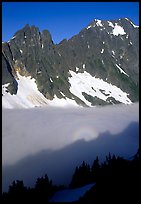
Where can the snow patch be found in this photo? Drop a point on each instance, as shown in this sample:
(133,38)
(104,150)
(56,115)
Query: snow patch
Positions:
(110,24)
(70,195)
(13,37)
(102,50)
(4,88)
(135,26)
(84,82)
(98,23)
(57,102)
(118,30)
(77,69)
(83,66)
(51,80)
(28,95)
(89,27)
(121,70)
(62,93)
(113,52)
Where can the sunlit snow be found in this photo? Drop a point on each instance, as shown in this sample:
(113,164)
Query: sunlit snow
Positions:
(28,96)
(77,69)
(135,26)
(83,66)
(121,70)
(51,79)
(102,50)
(98,22)
(118,30)
(61,102)
(89,27)
(13,37)
(110,24)
(84,82)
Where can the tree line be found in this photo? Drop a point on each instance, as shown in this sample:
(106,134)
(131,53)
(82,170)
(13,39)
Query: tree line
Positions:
(116,178)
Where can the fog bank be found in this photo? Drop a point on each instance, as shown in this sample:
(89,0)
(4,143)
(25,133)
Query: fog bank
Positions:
(55,140)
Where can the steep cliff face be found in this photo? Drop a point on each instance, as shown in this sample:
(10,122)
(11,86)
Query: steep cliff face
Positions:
(98,66)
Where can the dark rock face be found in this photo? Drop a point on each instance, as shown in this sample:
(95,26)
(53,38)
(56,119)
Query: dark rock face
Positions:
(96,50)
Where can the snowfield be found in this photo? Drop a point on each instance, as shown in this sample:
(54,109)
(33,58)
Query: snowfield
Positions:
(28,96)
(84,82)
(55,140)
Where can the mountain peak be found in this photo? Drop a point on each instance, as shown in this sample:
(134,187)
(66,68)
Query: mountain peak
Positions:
(99,66)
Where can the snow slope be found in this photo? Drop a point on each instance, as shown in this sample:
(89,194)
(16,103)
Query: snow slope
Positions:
(84,82)
(28,96)
(70,195)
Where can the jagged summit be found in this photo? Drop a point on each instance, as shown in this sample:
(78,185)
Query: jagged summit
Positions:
(98,66)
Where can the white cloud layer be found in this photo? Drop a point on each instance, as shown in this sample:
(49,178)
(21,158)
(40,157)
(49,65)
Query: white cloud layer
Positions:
(55,140)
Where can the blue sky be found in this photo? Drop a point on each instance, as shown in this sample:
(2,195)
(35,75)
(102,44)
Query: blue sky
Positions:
(62,19)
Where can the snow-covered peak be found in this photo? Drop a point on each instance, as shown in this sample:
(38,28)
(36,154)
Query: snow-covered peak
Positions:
(116,29)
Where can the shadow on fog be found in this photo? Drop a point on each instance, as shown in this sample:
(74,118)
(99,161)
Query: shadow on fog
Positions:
(60,164)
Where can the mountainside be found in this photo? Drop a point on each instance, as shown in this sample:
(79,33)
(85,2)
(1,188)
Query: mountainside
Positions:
(98,66)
